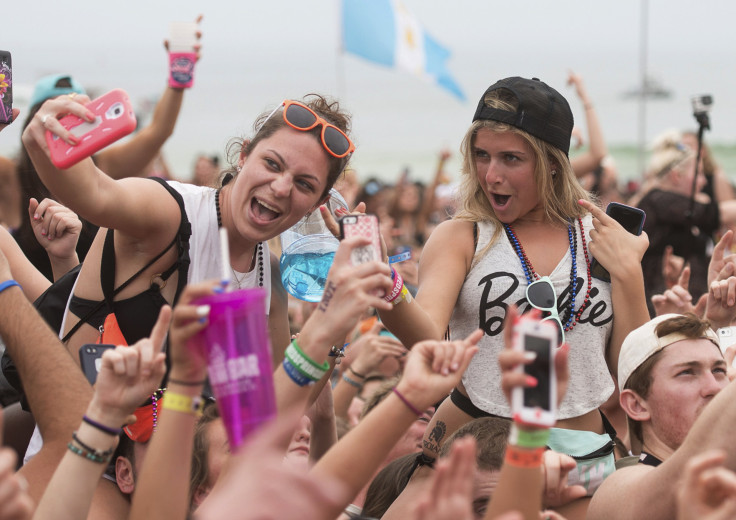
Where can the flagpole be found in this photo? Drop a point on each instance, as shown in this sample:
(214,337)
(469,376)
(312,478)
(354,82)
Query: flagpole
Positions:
(340,55)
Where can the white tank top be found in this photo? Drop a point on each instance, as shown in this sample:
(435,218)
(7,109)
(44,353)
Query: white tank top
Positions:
(496,281)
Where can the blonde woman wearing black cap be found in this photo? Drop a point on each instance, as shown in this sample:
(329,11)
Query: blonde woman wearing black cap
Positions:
(523,216)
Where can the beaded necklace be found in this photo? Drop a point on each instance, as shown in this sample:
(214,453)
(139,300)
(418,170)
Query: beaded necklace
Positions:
(572,318)
(259,246)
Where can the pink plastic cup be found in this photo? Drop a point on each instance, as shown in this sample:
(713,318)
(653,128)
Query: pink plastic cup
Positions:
(239,360)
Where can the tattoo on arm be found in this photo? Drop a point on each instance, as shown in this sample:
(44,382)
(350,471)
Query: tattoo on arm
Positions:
(433,441)
(327,296)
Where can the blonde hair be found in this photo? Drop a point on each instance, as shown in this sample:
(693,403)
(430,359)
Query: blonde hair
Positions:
(558,194)
(668,152)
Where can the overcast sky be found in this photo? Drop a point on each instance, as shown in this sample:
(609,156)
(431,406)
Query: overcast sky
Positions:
(257,53)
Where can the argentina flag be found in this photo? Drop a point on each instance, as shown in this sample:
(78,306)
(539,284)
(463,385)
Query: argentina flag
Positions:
(385,32)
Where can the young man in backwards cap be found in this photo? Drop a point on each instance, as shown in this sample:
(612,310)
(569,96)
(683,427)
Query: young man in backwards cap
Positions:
(676,392)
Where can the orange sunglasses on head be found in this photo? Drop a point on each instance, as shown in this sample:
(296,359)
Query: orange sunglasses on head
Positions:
(301,117)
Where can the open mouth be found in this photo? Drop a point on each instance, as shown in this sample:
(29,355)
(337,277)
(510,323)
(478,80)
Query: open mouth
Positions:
(500,200)
(264,211)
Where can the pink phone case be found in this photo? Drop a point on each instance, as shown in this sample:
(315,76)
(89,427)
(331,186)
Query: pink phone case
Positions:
(115,119)
(364,226)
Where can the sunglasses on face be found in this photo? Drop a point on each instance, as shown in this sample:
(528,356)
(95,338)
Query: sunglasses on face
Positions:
(301,117)
(541,295)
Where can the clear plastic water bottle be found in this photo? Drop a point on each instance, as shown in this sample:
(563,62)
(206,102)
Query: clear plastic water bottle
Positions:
(307,251)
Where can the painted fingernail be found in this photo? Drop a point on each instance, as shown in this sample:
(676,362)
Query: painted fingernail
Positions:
(203,311)
(35,216)
(454,366)
(43,232)
(73,140)
(202,320)
(530,381)
(91,116)
(218,289)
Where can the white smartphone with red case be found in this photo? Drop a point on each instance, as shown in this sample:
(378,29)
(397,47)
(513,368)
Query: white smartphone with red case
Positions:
(364,226)
(536,406)
(115,119)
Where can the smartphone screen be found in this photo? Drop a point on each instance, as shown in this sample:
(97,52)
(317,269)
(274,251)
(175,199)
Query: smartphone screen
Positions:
(631,219)
(538,396)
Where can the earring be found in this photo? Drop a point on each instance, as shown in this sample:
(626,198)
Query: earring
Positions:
(237,169)
(554,172)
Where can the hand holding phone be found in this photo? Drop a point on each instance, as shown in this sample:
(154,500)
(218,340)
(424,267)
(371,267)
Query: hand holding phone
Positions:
(631,219)
(90,359)
(537,405)
(363,226)
(114,119)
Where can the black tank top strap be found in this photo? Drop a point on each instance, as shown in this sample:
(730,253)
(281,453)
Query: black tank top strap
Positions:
(107,264)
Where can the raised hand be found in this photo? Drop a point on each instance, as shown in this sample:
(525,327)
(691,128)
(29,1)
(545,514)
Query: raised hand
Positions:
(373,348)
(449,494)
(56,227)
(677,299)
(613,246)
(719,259)
(128,375)
(434,368)
(349,291)
(721,302)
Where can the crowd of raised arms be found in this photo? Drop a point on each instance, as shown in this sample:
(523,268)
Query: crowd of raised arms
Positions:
(407,411)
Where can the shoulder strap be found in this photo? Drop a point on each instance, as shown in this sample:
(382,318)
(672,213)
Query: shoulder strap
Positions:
(182,241)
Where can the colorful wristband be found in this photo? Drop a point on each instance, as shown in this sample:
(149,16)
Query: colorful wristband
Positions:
(304,364)
(528,438)
(182,403)
(404,296)
(102,427)
(398,285)
(404,400)
(295,375)
(523,457)
(92,456)
(9,283)
(352,382)
(406,255)
(102,454)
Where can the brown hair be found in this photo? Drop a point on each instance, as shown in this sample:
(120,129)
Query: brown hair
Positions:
(265,126)
(640,380)
(387,485)
(558,194)
(378,395)
(200,469)
(491,436)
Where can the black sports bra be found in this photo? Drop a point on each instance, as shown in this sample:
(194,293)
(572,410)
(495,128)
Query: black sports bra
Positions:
(136,315)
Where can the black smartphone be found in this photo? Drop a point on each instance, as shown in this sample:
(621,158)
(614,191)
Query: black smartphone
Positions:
(90,358)
(6,88)
(632,220)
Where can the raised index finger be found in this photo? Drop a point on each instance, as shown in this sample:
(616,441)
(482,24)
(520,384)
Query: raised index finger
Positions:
(595,210)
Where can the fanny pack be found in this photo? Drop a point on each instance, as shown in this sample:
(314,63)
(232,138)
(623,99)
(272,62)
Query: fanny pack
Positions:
(593,453)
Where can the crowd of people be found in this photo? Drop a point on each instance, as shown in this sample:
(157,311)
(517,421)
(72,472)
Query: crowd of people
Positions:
(404,409)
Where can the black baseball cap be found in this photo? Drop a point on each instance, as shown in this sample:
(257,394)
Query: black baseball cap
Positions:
(543,112)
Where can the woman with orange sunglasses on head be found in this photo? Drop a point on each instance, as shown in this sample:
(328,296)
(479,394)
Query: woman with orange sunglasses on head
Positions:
(277,176)
(524,235)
